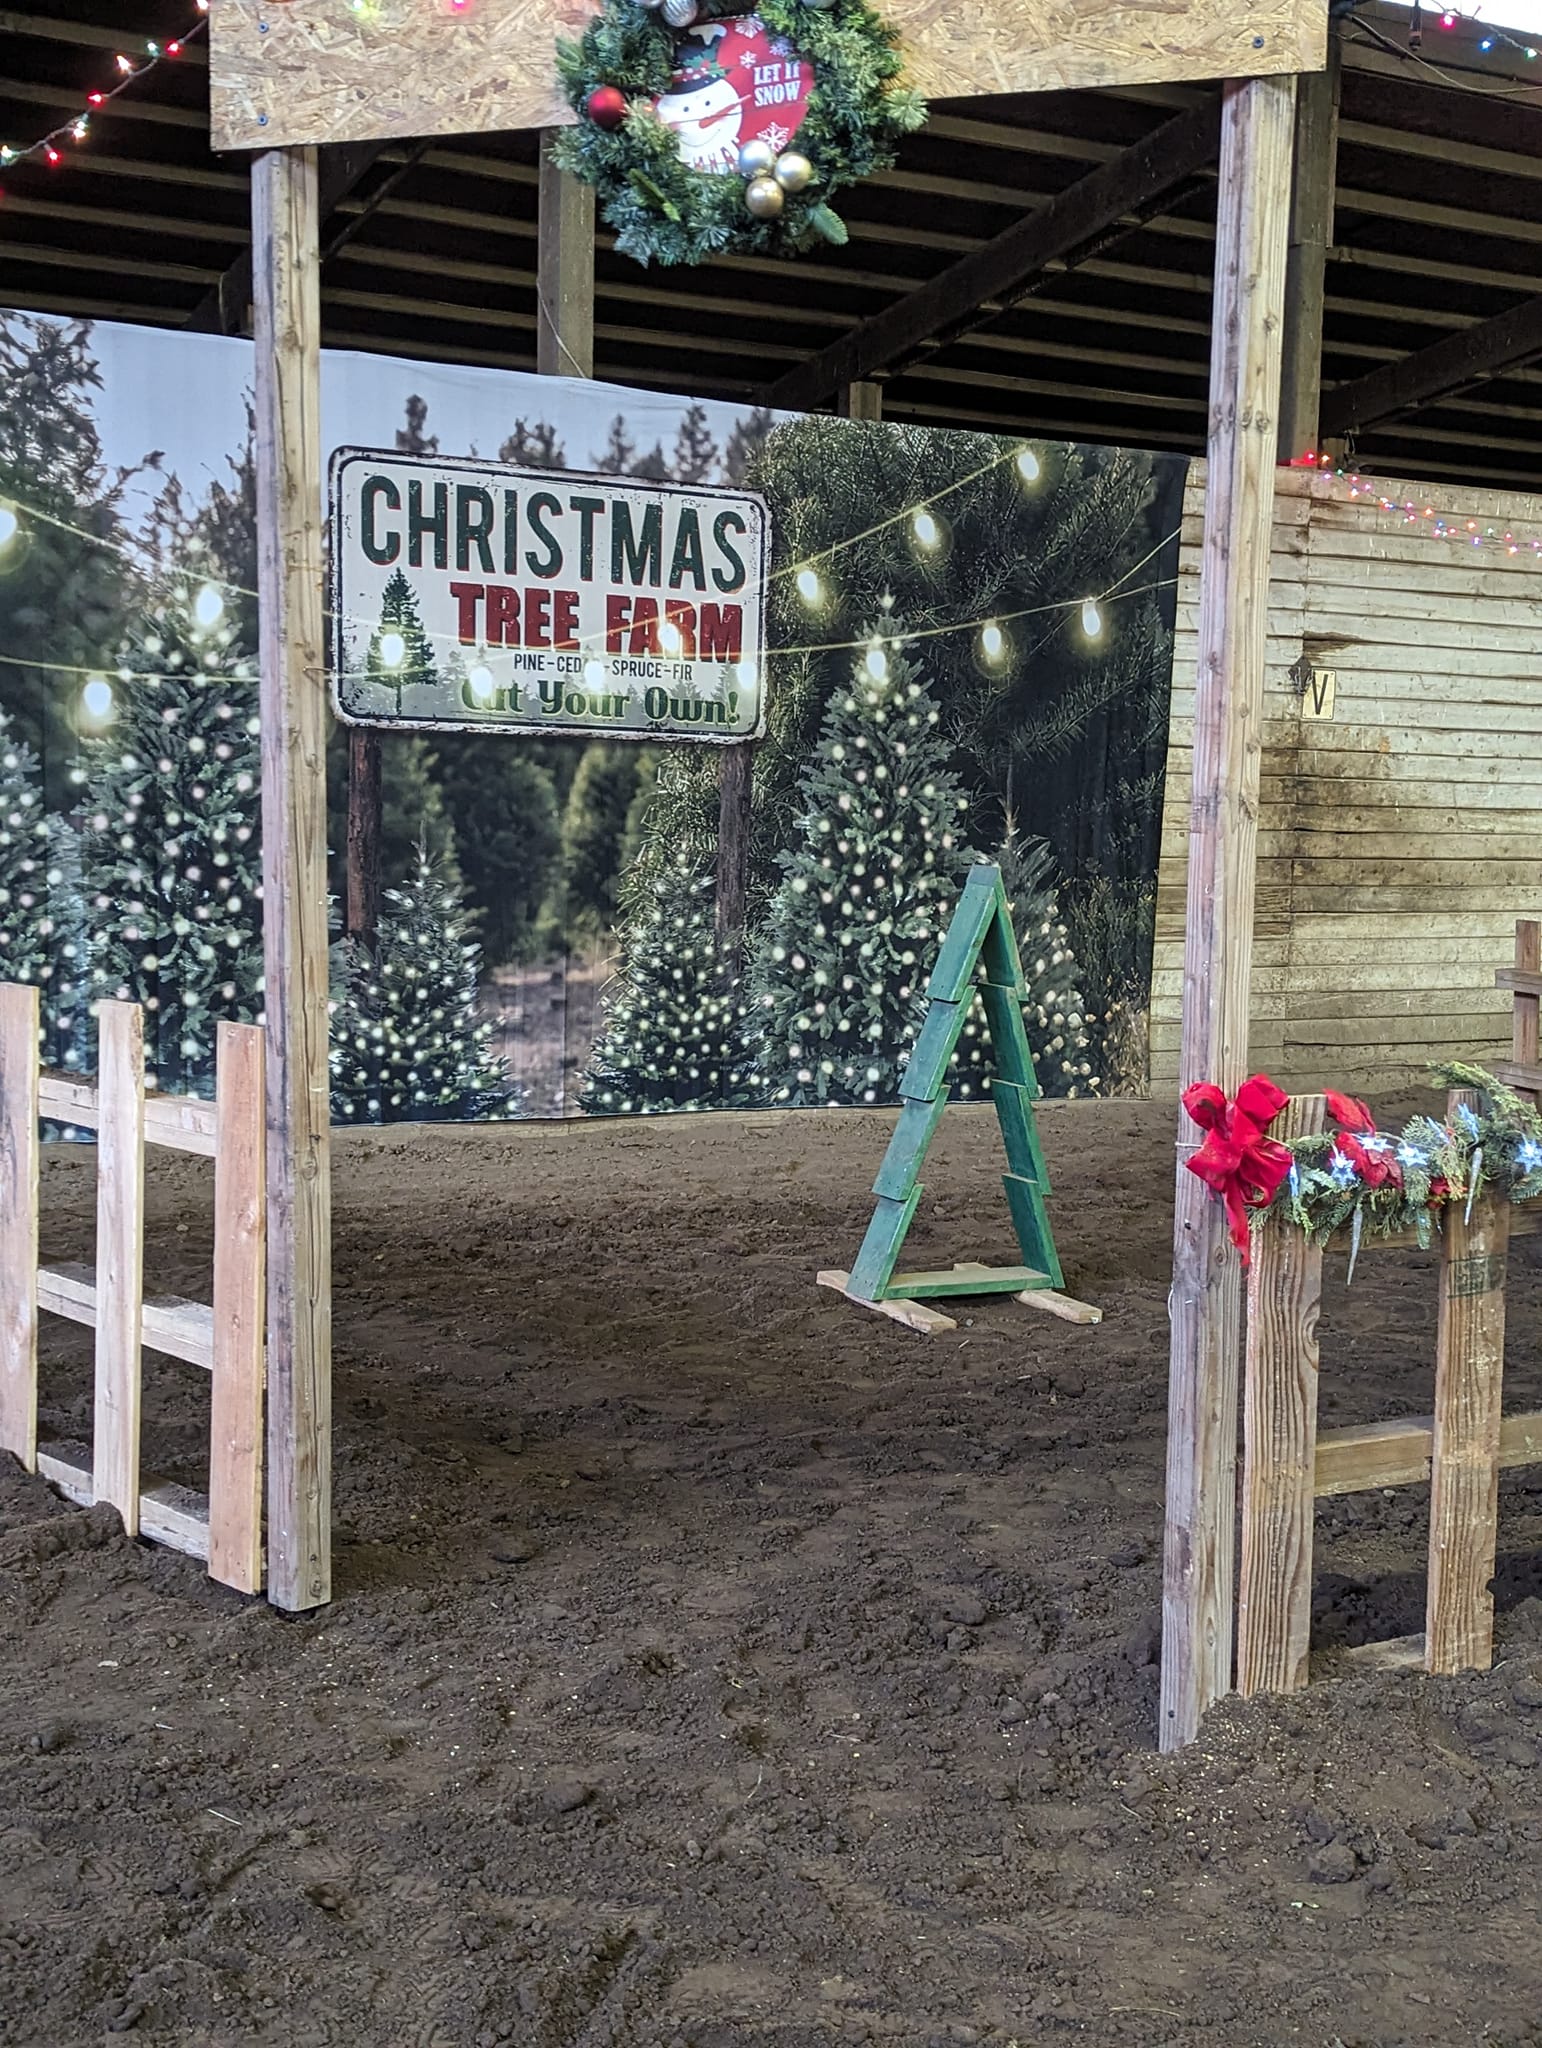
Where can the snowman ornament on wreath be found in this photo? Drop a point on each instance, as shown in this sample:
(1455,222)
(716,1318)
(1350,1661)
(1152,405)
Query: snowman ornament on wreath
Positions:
(688,111)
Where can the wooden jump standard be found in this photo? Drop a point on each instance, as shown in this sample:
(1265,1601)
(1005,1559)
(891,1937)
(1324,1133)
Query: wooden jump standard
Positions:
(225,1339)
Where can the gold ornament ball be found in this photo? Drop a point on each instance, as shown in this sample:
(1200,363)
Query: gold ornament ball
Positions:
(793,172)
(764,198)
(756,159)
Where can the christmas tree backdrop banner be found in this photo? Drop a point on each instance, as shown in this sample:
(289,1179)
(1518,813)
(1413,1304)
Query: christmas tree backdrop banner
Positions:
(969,649)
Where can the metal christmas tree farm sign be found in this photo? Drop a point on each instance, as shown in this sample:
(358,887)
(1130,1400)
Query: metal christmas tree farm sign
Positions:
(479,596)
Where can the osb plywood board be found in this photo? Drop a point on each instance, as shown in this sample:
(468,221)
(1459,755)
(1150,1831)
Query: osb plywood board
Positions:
(298,71)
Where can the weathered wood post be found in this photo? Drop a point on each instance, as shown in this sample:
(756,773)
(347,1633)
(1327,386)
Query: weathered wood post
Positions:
(1279,1492)
(564,273)
(1314,178)
(287,327)
(1205,1303)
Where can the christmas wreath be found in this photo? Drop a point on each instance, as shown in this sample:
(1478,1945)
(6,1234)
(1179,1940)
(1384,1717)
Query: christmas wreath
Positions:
(688,109)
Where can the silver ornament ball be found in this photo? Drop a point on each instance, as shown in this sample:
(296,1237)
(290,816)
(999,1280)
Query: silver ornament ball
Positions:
(792,171)
(680,13)
(764,198)
(756,159)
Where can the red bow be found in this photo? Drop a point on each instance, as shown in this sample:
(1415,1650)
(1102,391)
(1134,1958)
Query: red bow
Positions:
(1236,1160)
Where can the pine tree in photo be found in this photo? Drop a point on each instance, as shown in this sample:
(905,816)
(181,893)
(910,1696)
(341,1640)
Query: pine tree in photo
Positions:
(620,450)
(1053,1012)
(745,443)
(696,453)
(654,466)
(840,966)
(407,1044)
(23,861)
(399,651)
(534,447)
(672,1036)
(172,847)
(63,579)
(69,1022)
(411,439)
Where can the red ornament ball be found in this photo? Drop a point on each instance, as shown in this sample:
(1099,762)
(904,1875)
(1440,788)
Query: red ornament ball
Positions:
(606,106)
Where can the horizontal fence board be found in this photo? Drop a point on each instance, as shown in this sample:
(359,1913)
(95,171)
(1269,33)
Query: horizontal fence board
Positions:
(168,1513)
(180,1328)
(176,1121)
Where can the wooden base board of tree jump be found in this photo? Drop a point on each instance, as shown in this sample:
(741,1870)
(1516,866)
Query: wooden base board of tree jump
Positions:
(915,1315)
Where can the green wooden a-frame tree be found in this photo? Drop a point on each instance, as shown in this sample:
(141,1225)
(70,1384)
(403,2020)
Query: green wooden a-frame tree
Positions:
(979,941)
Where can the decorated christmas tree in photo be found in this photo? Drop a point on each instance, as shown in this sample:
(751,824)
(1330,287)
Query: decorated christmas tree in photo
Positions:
(407,1043)
(673,1031)
(842,958)
(172,847)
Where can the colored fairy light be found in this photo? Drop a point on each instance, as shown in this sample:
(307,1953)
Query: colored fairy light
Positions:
(1341,1172)
(128,70)
(1529,1154)
(1410,1155)
(1468,1120)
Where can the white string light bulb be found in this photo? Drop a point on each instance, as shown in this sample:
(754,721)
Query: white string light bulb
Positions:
(393,649)
(480,683)
(1028,466)
(810,589)
(208,607)
(1092,619)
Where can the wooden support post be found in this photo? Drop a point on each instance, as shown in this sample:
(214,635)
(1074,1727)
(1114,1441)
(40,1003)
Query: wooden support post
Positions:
(366,807)
(1464,1447)
(19,1010)
(564,277)
(861,401)
(1205,1303)
(1526,1013)
(120,1252)
(1314,179)
(294,840)
(1279,1427)
(235,1419)
(735,803)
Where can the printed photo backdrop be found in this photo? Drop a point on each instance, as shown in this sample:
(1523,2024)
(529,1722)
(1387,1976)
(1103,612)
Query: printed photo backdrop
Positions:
(970,656)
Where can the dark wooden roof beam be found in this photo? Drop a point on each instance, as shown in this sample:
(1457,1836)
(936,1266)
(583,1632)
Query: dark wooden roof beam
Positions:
(226,307)
(991,278)
(1454,363)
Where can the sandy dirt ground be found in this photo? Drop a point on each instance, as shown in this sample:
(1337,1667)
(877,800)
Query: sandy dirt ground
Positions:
(714,1665)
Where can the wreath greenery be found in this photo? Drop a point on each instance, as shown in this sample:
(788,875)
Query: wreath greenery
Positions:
(663,209)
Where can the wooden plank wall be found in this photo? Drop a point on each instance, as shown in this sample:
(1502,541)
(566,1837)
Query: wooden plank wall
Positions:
(1399,839)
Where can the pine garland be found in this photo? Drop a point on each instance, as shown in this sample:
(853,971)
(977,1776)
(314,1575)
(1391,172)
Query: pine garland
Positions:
(1364,1179)
(664,210)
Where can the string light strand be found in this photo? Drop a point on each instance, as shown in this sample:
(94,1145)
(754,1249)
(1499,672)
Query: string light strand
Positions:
(127,71)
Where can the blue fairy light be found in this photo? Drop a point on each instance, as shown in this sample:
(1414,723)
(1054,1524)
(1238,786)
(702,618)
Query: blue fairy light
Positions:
(1467,1119)
(1341,1172)
(1410,1155)
(1529,1155)
(1295,1182)
(1374,1141)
